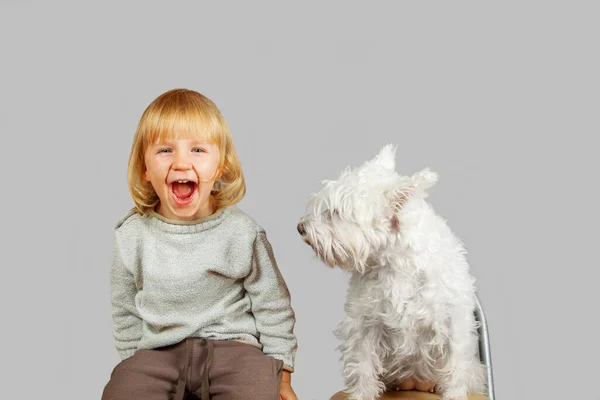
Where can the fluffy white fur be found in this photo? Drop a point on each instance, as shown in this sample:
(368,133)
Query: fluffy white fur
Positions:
(409,307)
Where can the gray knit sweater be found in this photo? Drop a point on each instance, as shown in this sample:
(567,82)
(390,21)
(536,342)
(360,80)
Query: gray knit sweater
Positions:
(214,278)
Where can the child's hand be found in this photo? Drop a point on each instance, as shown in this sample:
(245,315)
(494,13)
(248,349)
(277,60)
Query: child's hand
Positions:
(285,388)
(286,392)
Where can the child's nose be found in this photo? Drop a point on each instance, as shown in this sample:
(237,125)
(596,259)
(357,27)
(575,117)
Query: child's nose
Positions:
(182,162)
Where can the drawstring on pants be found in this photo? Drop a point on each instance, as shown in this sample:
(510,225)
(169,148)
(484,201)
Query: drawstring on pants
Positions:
(204,392)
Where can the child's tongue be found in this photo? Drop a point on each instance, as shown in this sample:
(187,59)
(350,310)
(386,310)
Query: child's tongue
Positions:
(183,190)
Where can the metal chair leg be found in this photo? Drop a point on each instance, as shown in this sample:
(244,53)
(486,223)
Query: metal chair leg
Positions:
(485,354)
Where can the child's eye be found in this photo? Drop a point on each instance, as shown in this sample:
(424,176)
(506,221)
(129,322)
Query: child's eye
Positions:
(163,150)
(199,150)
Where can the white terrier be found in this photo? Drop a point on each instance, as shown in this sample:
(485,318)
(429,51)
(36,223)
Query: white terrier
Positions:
(410,304)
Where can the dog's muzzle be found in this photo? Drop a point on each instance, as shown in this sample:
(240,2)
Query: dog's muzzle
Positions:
(301,229)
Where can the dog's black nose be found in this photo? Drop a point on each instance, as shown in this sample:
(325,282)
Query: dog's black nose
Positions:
(301,229)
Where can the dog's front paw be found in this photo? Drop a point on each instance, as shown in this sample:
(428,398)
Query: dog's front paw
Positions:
(415,384)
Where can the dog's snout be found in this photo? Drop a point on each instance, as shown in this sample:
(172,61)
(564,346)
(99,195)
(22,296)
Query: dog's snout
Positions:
(301,229)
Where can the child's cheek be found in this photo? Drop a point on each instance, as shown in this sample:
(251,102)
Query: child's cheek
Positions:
(206,172)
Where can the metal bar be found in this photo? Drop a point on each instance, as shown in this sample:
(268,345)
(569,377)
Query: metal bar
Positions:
(485,353)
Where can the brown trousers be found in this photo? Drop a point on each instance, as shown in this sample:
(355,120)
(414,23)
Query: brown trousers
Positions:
(197,368)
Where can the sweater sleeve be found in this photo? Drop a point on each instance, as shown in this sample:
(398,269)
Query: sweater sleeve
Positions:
(127,324)
(271,304)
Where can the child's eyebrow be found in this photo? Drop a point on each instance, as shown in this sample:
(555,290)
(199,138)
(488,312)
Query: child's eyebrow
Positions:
(160,144)
(170,142)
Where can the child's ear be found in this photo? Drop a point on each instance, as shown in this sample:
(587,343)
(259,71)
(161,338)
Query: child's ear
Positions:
(145,176)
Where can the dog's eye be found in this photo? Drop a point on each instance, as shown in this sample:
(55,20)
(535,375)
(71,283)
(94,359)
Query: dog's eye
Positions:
(329,213)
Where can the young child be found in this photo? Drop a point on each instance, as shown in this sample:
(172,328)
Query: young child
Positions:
(199,305)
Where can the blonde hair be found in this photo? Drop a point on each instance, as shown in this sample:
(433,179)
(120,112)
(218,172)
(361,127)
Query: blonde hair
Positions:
(177,113)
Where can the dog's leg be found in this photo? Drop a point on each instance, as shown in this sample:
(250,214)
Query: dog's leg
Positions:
(362,366)
(463,372)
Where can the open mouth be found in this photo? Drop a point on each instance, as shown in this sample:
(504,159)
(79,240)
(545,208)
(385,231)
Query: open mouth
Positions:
(183,192)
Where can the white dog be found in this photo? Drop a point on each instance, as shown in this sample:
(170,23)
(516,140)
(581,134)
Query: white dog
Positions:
(409,308)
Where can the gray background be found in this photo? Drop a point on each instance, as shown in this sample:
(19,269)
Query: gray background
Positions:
(501,99)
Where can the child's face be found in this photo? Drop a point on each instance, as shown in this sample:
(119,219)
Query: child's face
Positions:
(182,160)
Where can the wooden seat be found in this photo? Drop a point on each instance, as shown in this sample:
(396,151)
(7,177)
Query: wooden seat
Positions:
(408,395)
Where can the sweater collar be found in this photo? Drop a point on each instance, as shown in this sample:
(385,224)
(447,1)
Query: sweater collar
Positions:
(197,225)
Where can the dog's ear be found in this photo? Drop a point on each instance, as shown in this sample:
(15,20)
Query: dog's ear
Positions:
(416,186)
(378,169)
(398,197)
(423,180)
(387,157)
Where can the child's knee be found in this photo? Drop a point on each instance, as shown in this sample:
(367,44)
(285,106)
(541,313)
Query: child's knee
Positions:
(257,381)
